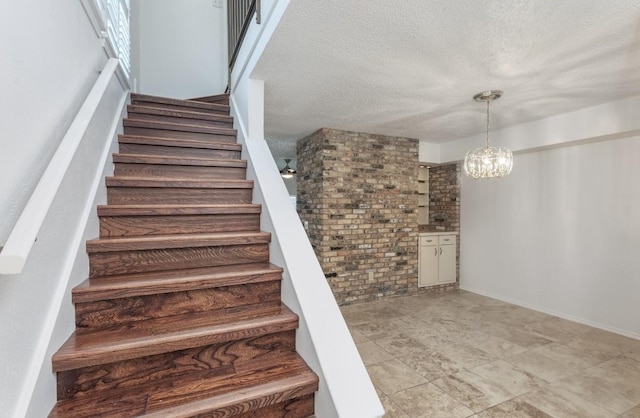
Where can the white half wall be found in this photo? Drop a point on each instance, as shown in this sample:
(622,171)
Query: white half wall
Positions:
(560,234)
(50,59)
(179,48)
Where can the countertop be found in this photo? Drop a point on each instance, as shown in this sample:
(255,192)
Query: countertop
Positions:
(435,230)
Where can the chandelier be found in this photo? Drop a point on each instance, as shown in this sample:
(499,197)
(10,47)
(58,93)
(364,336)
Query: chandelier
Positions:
(488,162)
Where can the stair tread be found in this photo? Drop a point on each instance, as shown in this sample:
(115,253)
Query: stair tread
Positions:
(212,97)
(178,182)
(187,114)
(160,335)
(187,209)
(139,284)
(178,142)
(150,242)
(179,102)
(167,160)
(178,127)
(201,393)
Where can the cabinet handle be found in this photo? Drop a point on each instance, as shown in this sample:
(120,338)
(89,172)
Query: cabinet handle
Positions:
(440,250)
(435,251)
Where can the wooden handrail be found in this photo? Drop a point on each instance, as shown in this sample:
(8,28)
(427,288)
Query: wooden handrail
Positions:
(25,232)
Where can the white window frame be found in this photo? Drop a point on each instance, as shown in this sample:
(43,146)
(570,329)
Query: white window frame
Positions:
(110,21)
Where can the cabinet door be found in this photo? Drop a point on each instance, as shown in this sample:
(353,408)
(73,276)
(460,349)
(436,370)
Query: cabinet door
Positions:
(447,263)
(428,265)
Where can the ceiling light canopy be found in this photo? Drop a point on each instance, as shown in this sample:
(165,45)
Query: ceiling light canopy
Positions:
(287,172)
(488,162)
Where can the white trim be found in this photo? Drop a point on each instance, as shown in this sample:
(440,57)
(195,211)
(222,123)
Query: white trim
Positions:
(552,312)
(323,339)
(95,17)
(40,350)
(109,45)
(25,232)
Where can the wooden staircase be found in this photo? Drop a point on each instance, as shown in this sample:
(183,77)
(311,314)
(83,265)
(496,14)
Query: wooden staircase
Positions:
(181,315)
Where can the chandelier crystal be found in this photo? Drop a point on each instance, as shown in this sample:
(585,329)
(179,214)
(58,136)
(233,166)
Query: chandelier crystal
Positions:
(488,162)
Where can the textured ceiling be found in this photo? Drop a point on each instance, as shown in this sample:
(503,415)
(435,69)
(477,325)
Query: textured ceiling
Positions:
(410,67)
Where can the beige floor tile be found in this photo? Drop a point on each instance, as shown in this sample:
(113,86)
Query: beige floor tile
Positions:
(372,353)
(466,355)
(393,376)
(475,392)
(557,329)
(514,380)
(621,373)
(621,342)
(401,345)
(431,364)
(358,337)
(364,313)
(495,358)
(518,336)
(391,410)
(495,346)
(598,350)
(562,404)
(541,366)
(514,408)
(609,395)
(428,401)
(382,328)
(569,356)
(633,413)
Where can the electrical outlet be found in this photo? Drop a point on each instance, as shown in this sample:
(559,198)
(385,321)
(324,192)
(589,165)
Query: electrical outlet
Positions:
(370,275)
(217,3)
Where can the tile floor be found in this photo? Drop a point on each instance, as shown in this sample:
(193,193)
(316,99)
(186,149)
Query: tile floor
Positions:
(458,354)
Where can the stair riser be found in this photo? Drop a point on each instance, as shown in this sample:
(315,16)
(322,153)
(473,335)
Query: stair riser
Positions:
(121,262)
(302,407)
(213,360)
(180,107)
(161,133)
(125,310)
(121,226)
(179,171)
(178,151)
(177,119)
(170,195)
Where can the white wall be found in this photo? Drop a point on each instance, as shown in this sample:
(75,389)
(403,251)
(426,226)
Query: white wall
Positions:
(50,59)
(560,234)
(179,47)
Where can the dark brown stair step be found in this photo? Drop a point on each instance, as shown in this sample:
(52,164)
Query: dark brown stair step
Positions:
(175,147)
(142,284)
(169,103)
(168,334)
(220,359)
(129,220)
(178,130)
(216,98)
(125,255)
(107,312)
(181,116)
(126,190)
(263,388)
(140,165)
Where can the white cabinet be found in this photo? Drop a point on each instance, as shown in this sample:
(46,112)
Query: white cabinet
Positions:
(437,263)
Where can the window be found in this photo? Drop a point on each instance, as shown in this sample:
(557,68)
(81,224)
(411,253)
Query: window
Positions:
(110,20)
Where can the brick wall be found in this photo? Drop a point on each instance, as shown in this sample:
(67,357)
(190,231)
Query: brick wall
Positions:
(358,195)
